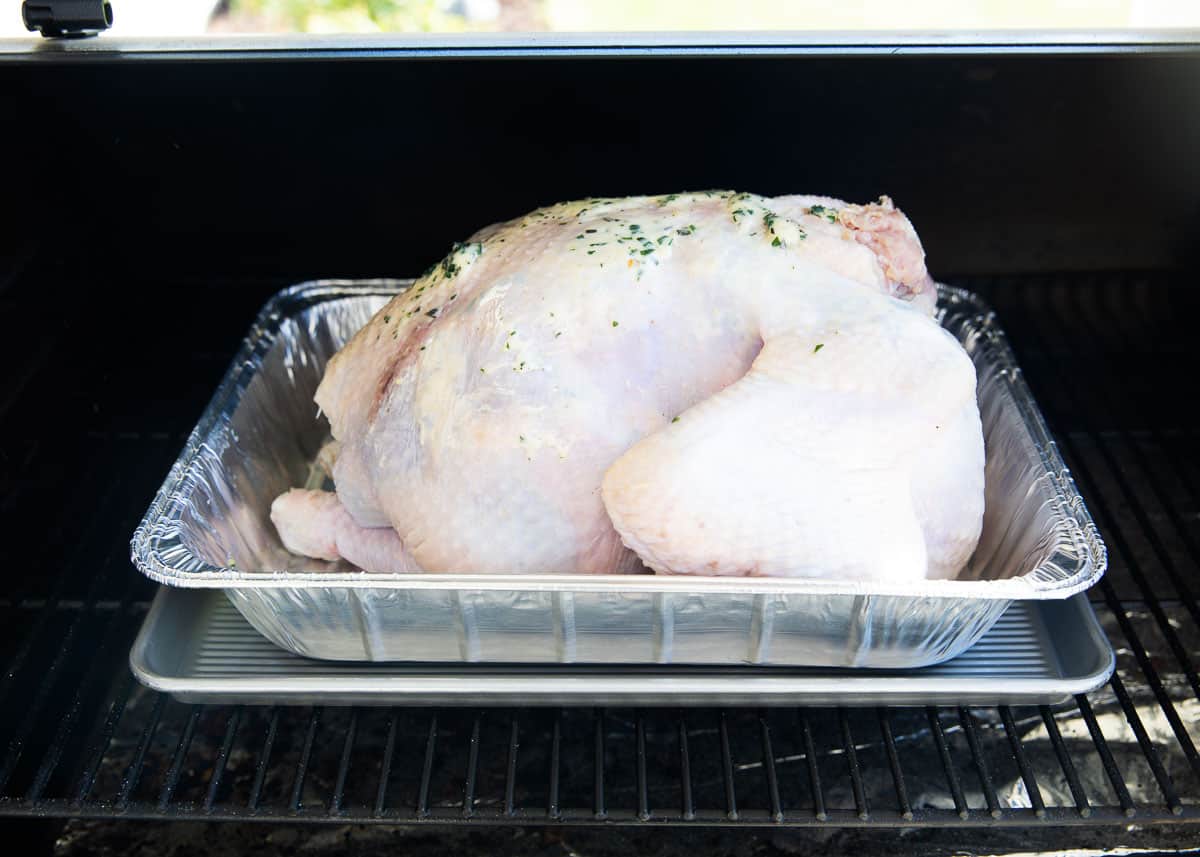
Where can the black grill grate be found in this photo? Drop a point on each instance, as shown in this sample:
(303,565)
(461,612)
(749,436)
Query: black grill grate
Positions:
(1108,358)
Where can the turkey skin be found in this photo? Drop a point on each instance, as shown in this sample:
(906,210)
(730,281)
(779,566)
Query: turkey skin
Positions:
(709,383)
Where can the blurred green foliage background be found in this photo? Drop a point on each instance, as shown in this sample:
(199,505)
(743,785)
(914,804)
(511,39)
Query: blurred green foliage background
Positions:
(193,17)
(404,16)
(449,16)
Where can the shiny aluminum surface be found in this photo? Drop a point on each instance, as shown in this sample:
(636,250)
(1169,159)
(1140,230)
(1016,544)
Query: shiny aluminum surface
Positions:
(208,527)
(196,647)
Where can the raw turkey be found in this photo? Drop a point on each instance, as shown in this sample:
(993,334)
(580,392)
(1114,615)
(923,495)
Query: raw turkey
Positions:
(707,383)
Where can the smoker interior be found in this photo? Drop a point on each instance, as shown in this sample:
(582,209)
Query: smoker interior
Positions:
(160,203)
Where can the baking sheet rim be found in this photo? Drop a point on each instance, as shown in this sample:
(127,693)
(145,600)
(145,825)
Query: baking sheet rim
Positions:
(469,690)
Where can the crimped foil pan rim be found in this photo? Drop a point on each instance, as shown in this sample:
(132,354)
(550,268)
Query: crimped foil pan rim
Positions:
(147,546)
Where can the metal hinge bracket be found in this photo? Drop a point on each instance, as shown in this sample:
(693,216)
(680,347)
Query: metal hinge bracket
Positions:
(67,18)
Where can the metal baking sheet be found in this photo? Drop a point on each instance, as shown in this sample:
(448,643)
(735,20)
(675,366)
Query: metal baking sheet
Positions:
(209,528)
(197,647)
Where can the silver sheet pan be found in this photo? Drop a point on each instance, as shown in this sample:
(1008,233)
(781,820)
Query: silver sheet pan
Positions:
(196,647)
(208,527)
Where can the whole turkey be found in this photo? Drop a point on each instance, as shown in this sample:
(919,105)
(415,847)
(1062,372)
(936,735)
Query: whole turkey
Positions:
(709,383)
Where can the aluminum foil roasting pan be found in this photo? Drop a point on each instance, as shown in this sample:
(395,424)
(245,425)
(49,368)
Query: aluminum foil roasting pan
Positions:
(209,527)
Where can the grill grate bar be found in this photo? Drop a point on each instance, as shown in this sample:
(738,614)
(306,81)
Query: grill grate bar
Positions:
(1100,508)
(181,749)
(1165,784)
(443,816)
(599,810)
(769,768)
(893,757)
(687,805)
(31,636)
(74,605)
(1096,501)
(1064,761)
(339,785)
(814,771)
(468,802)
(264,759)
(1183,591)
(1164,501)
(133,773)
(510,774)
(51,605)
(1105,518)
(1023,767)
(1115,778)
(427,767)
(33,709)
(1151,602)
(385,765)
(939,740)
(856,783)
(218,769)
(48,680)
(116,709)
(643,797)
(310,735)
(54,752)
(552,795)
(1152,677)
(985,779)
(731,811)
